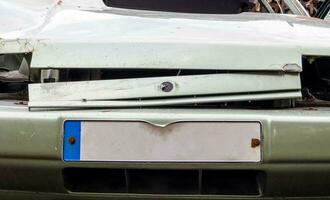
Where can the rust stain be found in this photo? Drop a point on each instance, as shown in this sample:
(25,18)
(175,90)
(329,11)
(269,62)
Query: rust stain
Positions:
(21,103)
(72,140)
(311,109)
(59,2)
(255,142)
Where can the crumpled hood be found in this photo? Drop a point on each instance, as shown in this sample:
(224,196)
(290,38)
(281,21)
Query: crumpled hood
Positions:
(96,37)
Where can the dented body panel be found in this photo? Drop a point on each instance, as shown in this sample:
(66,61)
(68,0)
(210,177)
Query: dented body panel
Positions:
(252,57)
(154,87)
(100,37)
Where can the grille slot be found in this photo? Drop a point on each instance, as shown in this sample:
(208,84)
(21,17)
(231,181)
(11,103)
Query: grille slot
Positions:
(229,183)
(165,182)
(95,180)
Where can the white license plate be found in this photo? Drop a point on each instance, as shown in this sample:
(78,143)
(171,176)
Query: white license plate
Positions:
(112,141)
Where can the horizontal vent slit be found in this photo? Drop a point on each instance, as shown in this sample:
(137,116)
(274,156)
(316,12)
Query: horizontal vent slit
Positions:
(162,182)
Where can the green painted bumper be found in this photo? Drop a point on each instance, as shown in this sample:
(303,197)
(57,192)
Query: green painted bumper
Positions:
(295,150)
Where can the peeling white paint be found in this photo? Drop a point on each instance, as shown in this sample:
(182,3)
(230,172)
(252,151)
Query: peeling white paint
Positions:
(214,84)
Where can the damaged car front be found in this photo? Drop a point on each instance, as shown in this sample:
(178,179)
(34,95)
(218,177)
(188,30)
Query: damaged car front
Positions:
(114,99)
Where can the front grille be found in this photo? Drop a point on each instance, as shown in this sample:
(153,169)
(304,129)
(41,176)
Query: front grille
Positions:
(167,182)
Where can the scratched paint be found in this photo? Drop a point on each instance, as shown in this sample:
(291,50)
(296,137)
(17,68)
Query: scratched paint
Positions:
(86,34)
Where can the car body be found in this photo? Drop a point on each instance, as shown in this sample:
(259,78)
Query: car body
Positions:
(133,104)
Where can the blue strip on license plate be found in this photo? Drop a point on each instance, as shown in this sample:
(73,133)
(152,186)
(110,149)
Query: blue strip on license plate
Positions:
(72,140)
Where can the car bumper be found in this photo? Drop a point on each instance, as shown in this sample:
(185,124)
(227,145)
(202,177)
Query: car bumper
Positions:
(295,152)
